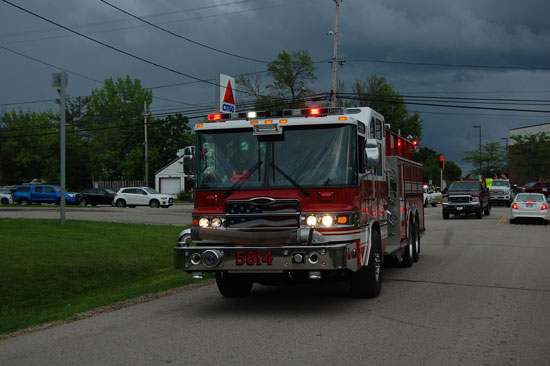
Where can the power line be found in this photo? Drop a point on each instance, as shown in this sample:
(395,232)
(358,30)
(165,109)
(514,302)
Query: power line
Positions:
(449,65)
(45,63)
(114,48)
(182,37)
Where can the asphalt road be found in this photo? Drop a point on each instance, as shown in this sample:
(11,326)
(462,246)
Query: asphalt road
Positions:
(479,295)
(179,214)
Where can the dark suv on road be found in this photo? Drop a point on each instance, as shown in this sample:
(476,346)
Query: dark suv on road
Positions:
(466,197)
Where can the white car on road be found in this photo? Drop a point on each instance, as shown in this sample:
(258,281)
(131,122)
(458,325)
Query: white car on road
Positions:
(142,196)
(431,198)
(530,206)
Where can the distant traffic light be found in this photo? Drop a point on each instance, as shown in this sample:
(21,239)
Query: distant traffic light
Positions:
(441,162)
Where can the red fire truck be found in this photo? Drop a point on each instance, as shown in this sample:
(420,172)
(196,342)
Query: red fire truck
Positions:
(310,194)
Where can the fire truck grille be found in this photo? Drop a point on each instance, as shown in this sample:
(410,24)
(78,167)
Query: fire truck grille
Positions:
(263,213)
(459,199)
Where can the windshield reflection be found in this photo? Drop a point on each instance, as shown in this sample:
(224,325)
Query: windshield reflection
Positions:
(301,157)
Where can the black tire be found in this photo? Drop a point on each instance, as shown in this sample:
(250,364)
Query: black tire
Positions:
(132,206)
(445,215)
(231,286)
(479,213)
(154,204)
(408,250)
(487,210)
(121,203)
(5,201)
(367,281)
(426,202)
(508,204)
(416,255)
(512,221)
(24,201)
(83,202)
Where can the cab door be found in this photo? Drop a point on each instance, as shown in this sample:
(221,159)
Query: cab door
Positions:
(50,195)
(38,194)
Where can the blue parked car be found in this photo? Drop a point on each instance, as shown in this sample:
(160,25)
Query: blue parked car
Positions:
(43,193)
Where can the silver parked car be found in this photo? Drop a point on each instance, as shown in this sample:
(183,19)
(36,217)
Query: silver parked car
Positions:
(5,197)
(530,206)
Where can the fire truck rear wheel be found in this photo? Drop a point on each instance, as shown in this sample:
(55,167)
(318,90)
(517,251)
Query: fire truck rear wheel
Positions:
(416,254)
(367,282)
(231,286)
(408,253)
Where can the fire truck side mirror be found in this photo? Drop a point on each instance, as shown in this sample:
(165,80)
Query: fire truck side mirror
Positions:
(189,164)
(372,153)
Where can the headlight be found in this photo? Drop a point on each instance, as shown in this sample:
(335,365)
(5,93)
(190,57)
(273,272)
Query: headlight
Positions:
(71,195)
(327,220)
(311,220)
(475,199)
(216,222)
(204,222)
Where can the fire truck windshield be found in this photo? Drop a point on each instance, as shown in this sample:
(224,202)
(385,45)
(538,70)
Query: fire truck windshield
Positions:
(303,156)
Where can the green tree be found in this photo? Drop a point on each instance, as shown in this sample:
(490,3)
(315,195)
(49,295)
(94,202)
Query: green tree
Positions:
(379,95)
(491,160)
(28,146)
(291,74)
(166,137)
(531,154)
(115,129)
(431,170)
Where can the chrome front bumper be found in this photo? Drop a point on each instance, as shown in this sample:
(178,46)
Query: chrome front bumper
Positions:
(293,256)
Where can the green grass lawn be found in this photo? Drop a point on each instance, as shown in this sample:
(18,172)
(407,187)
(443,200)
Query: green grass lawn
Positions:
(50,272)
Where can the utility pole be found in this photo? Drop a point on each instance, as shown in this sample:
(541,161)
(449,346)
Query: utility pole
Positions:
(335,56)
(507,157)
(146,157)
(59,81)
(479,147)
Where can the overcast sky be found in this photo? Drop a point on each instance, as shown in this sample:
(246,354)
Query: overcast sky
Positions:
(491,34)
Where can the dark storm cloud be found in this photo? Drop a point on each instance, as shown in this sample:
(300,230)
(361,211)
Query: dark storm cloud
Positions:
(490,32)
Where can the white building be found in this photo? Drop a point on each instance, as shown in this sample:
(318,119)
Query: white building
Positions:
(529,130)
(171,178)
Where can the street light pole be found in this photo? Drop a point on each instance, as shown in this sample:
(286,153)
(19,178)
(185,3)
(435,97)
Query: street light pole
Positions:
(479,147)
(146,157)
(507,157)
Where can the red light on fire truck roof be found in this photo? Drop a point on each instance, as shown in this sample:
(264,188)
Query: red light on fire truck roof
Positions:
(314,112)
(200,125)
(215,117)
(415,142)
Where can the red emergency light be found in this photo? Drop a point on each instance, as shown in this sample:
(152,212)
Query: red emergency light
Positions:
(314,112)
(215,117)
(415,142)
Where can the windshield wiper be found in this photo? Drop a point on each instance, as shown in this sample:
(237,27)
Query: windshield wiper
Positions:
(305,193)
(242,179)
